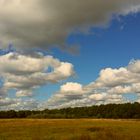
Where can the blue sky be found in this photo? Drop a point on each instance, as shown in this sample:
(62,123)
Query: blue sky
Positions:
(66,57)
(113,46)
(106,47)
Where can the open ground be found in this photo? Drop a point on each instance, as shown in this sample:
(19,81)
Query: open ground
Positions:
(69,129)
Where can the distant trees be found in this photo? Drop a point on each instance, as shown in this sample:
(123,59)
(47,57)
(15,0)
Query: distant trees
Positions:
(124,111)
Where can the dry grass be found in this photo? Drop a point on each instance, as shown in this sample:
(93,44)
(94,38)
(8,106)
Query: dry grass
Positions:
(80,129)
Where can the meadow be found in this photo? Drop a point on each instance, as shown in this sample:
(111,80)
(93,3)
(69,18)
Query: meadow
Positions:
(69,129)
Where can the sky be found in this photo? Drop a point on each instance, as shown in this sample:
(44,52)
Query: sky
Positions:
(58,54)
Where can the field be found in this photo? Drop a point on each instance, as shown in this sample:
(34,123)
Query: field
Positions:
(80,129)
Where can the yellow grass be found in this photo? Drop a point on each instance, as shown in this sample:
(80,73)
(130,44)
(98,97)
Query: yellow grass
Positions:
(78,129)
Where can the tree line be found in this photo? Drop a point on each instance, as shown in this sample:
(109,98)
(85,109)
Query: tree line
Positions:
(115,111)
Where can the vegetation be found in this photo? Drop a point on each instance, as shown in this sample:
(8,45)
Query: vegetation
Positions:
(115,111)
(69,129)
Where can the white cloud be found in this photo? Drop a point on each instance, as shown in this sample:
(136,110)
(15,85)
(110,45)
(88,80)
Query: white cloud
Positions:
(39,23)
(109,87)
(22,93)
(120,89)
(25,73)
(98,96)
(7,101)
(18,104)
(71,88)
(113,77)
(134,66)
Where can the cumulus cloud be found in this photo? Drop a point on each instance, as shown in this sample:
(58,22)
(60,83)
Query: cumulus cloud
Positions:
(43,24)
(77,95)
(109,87)
(98,97)
(22,93)
(70,87)
(18,104)
(7,101)
(26,73)
(47,23)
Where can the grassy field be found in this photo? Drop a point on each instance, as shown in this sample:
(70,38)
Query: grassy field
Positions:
(80,129)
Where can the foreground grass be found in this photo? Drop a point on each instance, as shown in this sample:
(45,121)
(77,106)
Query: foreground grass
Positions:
(80,129)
